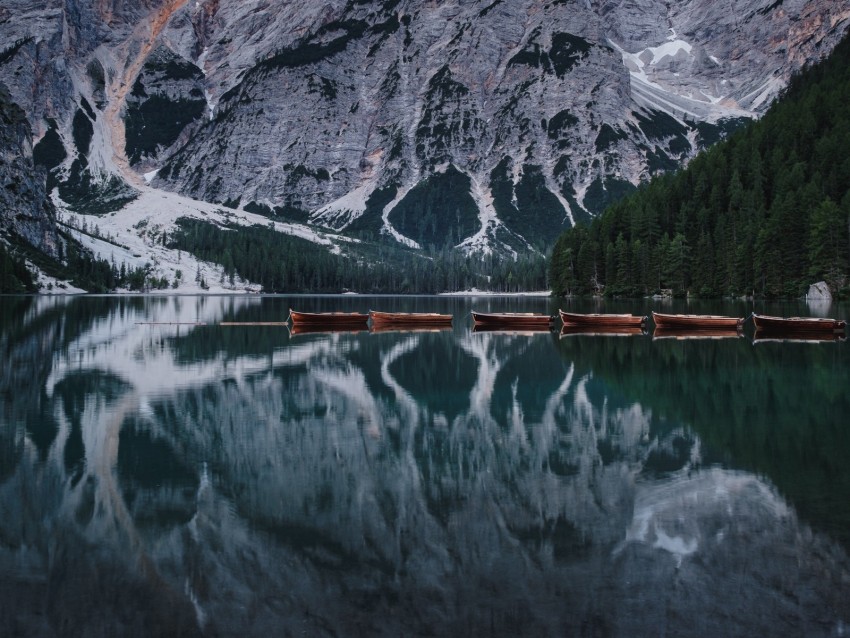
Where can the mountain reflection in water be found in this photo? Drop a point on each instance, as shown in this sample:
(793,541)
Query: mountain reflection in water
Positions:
(160,478)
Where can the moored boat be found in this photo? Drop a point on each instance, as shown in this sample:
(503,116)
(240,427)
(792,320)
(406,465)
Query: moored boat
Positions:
(601,320)
(697,322)
(512,320)
(793,325)
(409,318)
(349,319)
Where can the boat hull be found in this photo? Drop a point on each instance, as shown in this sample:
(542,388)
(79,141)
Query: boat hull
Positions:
(601,320)
(797,325)
(697,322)
(346,319)
(512,320)
(413,319)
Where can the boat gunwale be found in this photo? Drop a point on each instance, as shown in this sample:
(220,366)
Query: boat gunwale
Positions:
(512,319)
(420,318)
(696,322)
(327,318)
(793,325)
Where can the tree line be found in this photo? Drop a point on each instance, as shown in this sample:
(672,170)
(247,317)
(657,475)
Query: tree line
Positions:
(282,263)
(764,213)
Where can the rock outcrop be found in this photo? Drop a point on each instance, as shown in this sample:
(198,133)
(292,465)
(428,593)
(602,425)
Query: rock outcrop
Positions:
(819,292)
(25,212)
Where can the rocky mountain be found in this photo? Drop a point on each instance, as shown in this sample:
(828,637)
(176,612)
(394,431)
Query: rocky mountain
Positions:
(486,125)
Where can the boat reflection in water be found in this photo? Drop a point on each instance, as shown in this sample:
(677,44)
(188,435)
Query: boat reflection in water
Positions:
(527,331)
(407,329)
(686,333)
(318,328)
(205,480)
(602,331)
(793,336)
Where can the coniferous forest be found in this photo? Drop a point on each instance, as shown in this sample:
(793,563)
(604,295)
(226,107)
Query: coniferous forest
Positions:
(282,263)
(765,213)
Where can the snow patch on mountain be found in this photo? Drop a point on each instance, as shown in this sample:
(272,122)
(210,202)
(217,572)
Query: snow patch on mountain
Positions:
(388,229)
(647,68)
(341,212)
(134,236)
(485,240)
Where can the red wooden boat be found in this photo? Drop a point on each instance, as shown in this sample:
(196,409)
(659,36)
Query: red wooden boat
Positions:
(347,319)
(697,322)
(794,325)
(424,319)
(601,320)
(512,320)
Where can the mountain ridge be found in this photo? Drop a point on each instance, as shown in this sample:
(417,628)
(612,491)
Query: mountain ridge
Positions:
(370,118)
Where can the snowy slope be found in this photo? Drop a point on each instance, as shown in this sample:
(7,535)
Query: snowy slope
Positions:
(134,237)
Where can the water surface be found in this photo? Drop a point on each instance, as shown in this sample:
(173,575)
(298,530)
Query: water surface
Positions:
(161,474)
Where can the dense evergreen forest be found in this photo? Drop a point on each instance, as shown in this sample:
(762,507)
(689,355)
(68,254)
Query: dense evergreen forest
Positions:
(282,263)
(764,213)
(75,264)
(14,274)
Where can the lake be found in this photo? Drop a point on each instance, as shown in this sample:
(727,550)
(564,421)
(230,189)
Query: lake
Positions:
(164,475)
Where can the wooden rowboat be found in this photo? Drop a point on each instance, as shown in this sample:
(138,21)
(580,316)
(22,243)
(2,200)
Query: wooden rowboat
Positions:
(380,319)
(697,322)
(348,319)
(794,325)
(601,320)
(512,320)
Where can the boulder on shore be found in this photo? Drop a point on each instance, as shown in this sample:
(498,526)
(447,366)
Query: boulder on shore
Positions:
(819,292)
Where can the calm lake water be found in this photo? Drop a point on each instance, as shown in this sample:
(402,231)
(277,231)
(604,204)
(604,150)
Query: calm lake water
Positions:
(159,478)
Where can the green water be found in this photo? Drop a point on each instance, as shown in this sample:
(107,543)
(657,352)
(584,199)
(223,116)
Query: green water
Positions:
(162,474)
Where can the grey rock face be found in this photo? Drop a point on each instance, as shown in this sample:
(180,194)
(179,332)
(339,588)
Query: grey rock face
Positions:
(24,210)
(167,97)
(590,98)
(337,110)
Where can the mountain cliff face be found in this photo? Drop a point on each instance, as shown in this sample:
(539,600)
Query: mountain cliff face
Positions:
(482,125)
(25,213)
